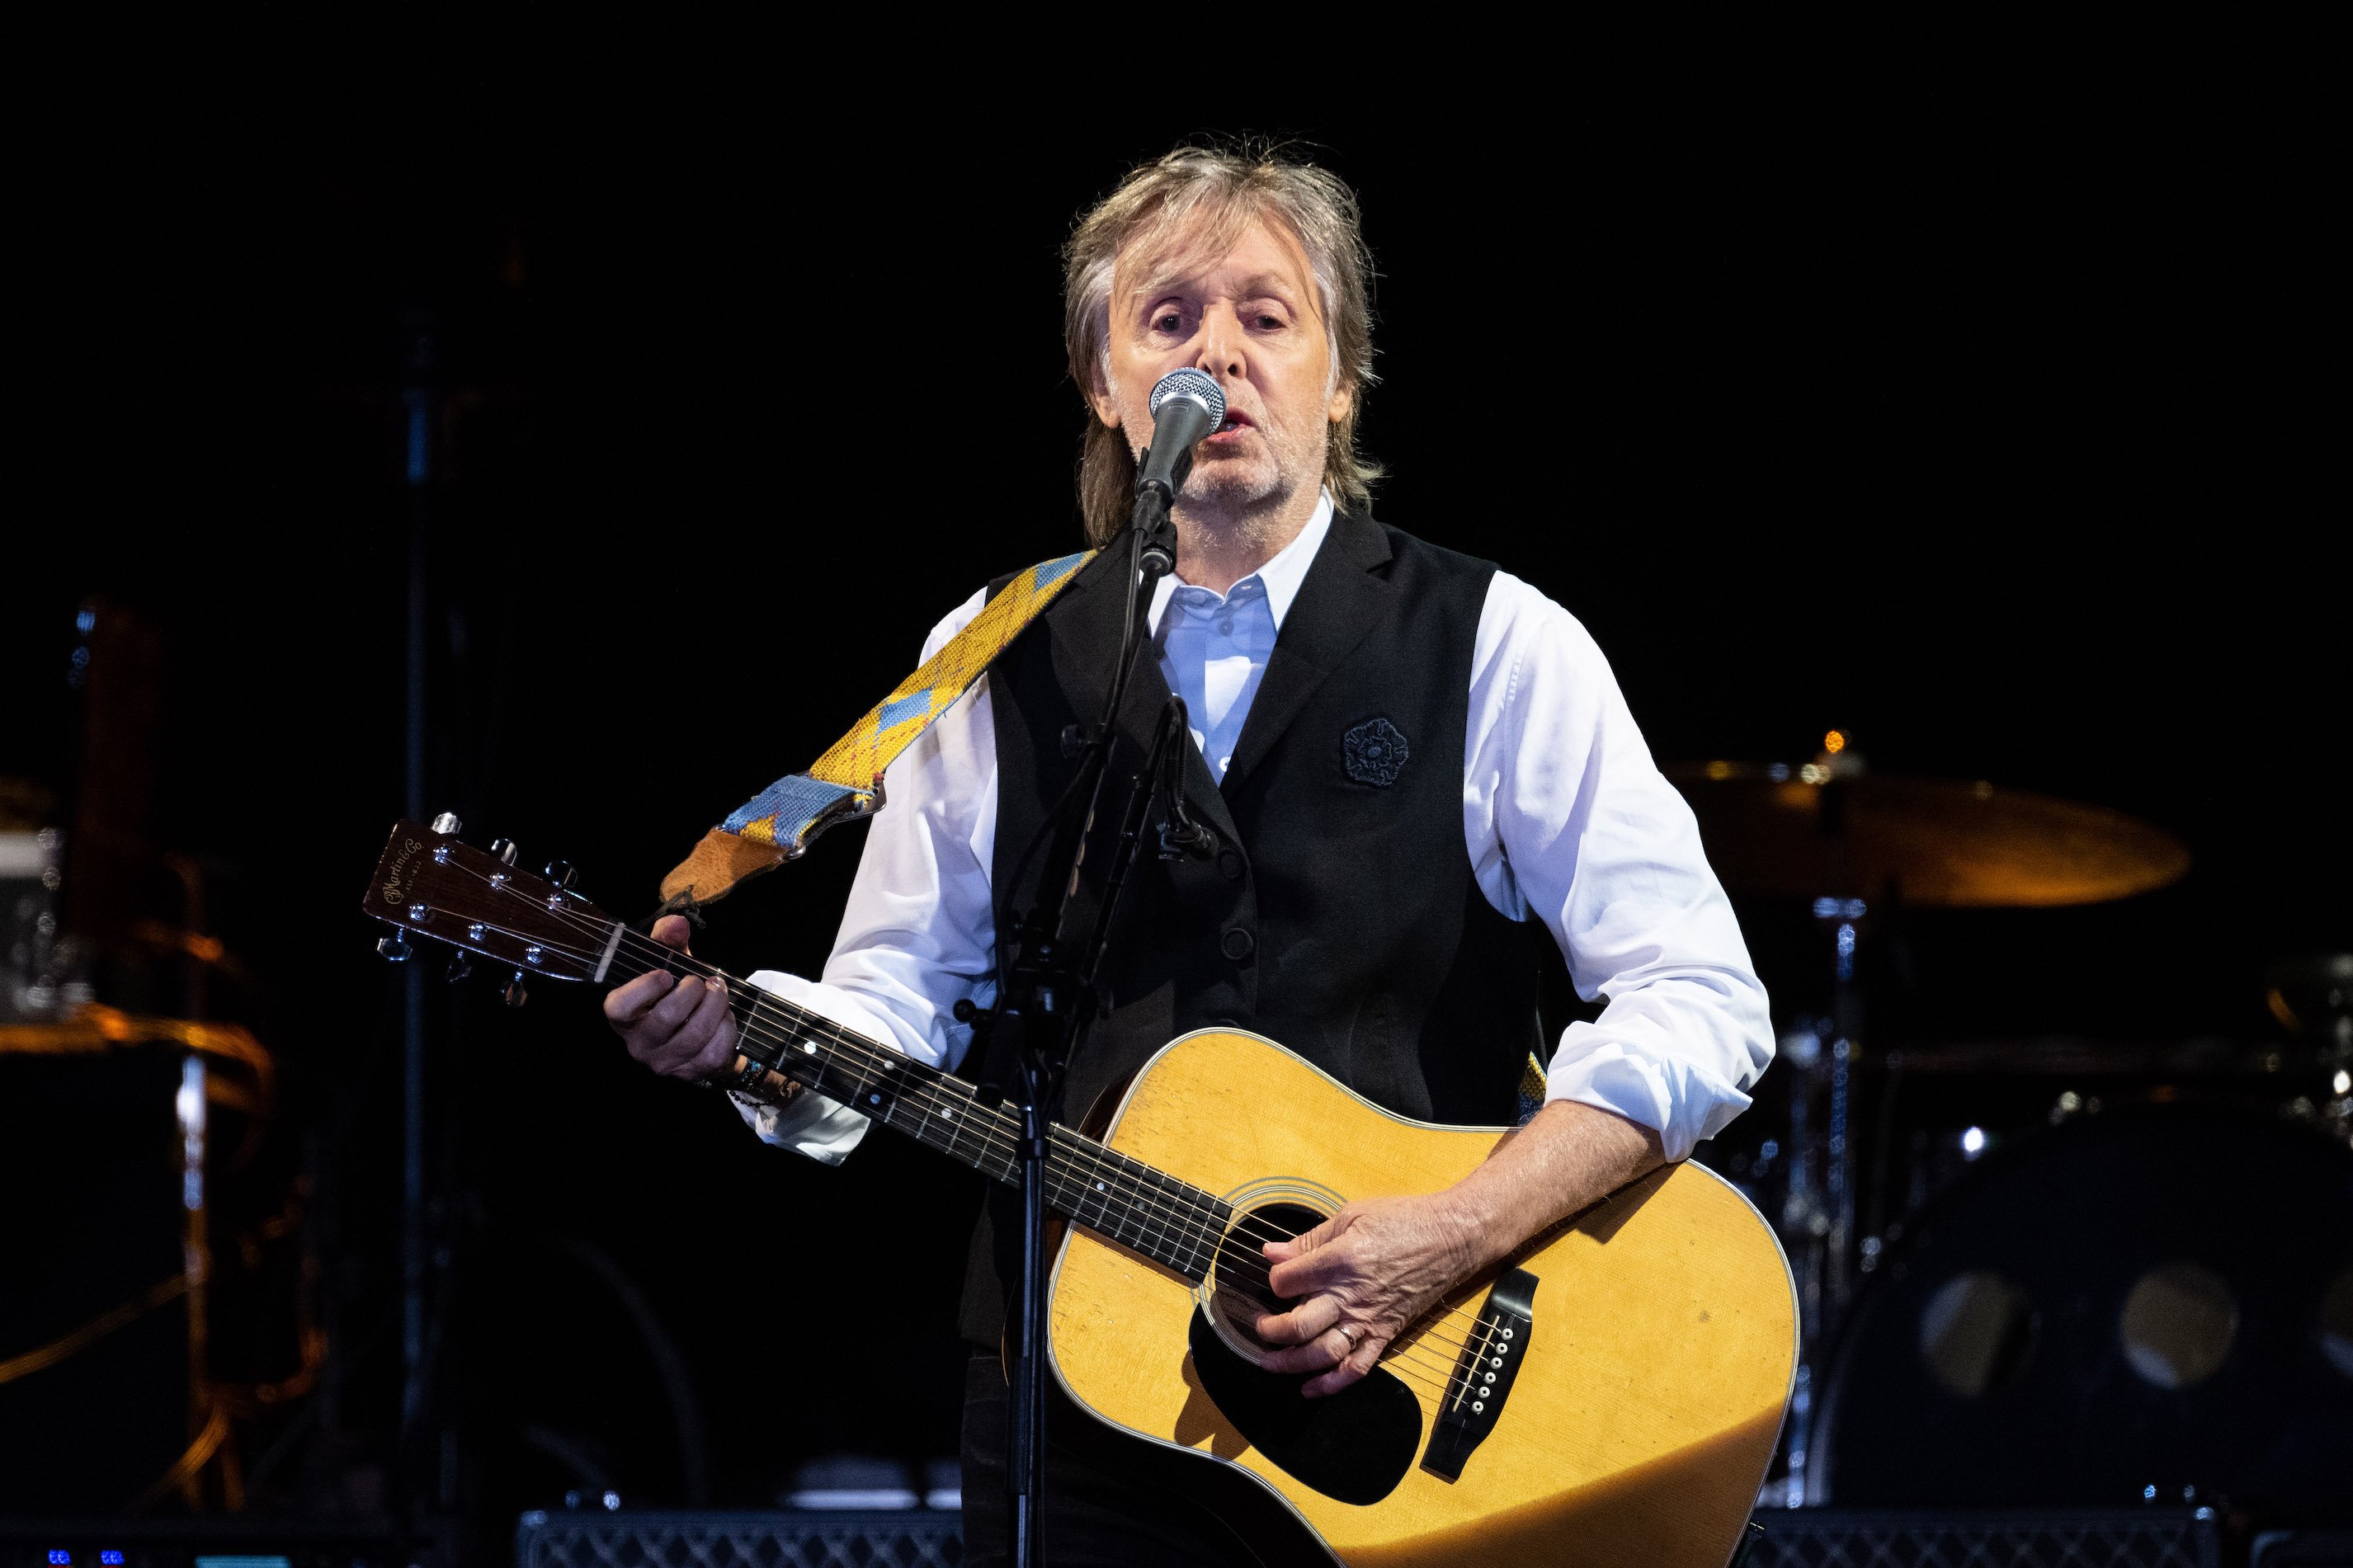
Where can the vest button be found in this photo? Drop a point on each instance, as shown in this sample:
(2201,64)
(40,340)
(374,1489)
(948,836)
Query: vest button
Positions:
(1238,944)
(1230,861)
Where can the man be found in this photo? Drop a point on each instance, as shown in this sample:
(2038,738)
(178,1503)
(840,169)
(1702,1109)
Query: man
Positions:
(1410,759)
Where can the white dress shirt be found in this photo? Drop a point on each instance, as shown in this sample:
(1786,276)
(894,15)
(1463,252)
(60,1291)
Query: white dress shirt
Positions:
(1563,815)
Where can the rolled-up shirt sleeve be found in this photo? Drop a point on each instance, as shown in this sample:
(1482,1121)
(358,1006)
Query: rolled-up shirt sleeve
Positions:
(918,933)
(1567,818)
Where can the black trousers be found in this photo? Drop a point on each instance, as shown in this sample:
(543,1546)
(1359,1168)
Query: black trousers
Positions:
(1096,1516)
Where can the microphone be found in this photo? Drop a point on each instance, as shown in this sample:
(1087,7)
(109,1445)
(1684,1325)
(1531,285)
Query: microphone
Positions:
(1187,405)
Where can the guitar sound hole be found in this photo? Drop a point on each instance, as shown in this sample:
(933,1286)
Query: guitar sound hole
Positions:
(1241,1292)
(1354,1445)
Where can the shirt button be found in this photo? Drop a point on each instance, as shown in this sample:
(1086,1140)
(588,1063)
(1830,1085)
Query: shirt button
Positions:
(1225,628)
(1230,861)
(1238,944)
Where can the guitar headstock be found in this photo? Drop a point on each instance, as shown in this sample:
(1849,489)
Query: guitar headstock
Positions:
(434,884)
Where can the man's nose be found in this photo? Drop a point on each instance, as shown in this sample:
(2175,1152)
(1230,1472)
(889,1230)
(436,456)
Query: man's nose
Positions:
(1224,352)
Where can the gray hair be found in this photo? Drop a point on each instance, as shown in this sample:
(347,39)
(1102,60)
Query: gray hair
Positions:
(1195,202)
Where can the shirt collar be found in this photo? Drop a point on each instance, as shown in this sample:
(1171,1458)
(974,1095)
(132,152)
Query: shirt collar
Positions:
(1279,577)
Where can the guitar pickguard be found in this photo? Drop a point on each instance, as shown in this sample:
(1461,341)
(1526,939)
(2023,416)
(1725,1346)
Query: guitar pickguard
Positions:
(1355,1446)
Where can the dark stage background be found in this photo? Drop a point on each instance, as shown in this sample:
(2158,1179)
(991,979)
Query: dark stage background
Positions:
(1989,420)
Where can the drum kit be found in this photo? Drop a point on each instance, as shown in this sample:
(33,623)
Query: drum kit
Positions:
(2030,1270)
(2034,1270)
(128,1127)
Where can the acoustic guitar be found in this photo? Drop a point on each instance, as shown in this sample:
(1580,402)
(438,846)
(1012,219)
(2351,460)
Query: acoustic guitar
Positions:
(1609,1396)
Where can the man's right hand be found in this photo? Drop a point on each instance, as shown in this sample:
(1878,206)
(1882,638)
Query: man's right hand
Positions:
(680,1027)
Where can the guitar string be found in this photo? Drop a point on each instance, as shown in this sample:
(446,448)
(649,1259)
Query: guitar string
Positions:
(1197,1227)
(1405,1353)
(1200,1223)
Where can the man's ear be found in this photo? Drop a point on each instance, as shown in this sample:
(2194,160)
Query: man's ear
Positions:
(1098,394)
(1341,401)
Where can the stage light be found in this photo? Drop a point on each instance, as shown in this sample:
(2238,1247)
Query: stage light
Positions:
(2343,1082)
(1973,1142)
(1834,743)
(59,1557)
(113,1559)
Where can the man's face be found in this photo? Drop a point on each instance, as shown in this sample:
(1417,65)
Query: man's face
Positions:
(1253,319)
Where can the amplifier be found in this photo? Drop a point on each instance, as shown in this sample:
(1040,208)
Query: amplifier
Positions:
(1794,1538)
(229,1541)
(799,1537)
(2022,1538)
(2301,1549)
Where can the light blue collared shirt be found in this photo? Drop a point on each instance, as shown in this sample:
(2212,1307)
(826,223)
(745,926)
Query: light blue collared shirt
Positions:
(1213,649)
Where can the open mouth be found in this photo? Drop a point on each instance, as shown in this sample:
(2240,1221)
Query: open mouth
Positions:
(1233,424)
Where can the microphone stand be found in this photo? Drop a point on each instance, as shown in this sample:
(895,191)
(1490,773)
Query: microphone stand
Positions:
(1048,997)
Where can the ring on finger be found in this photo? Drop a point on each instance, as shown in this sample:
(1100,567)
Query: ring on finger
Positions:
(1349,1332)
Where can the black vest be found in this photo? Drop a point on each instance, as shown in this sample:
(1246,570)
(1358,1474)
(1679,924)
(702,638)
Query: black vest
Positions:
(1339,915)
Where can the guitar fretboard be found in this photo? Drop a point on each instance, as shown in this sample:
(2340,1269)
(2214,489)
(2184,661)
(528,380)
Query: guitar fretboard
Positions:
(1122,1200)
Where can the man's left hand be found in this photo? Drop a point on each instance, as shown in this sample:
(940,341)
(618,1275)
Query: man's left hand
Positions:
(1361,1278)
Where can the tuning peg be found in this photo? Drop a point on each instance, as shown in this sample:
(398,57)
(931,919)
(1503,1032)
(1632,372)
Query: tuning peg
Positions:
(462,965)
(516,992)
(560,872)
(504,848)
(395,948)
(446,823)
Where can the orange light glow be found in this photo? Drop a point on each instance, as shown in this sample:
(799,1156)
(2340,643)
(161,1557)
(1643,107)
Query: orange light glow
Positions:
(1719,770)
(1834,743)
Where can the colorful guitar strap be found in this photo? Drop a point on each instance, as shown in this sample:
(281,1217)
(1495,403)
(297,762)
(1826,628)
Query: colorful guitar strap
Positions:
(781,821)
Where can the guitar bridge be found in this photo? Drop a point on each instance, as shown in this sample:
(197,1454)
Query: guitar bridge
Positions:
(1482,1376)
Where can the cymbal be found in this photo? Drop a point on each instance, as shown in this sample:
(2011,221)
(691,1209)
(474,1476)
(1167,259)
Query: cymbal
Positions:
(25,807)
(96,1029)
(1830,830)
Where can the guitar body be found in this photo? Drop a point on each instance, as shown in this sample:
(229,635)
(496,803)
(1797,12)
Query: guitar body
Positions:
(1654,1367)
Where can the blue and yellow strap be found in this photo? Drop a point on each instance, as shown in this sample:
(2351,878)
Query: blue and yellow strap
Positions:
(781,821)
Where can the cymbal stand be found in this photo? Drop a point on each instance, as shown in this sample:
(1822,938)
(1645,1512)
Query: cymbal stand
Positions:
(1818,1211)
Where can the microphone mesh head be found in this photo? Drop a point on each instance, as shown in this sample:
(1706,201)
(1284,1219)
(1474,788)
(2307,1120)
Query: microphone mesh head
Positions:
(1199,385)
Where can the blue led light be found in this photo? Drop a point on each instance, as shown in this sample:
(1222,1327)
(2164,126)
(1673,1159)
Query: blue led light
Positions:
(59,1557)
(113,1559)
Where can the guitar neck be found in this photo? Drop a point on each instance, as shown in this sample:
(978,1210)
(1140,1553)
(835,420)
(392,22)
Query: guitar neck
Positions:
(1120,1199)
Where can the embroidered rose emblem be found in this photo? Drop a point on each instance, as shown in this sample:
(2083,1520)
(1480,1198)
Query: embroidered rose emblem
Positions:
(1374,752)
